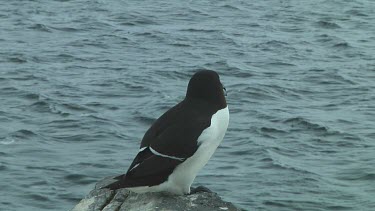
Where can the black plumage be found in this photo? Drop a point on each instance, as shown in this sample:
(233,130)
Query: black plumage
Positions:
(175,133)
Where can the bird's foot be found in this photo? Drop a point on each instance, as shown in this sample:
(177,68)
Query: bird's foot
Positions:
(200,189)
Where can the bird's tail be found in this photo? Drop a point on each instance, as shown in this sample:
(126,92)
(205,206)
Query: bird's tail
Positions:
(117,184)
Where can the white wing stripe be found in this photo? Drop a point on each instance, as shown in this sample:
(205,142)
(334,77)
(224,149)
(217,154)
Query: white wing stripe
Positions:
(141,149)
(166,156)
(135,166)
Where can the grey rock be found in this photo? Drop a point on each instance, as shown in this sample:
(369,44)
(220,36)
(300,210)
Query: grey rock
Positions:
(121,200)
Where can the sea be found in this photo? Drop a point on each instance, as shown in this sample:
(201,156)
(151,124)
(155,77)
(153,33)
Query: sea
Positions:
(81,81)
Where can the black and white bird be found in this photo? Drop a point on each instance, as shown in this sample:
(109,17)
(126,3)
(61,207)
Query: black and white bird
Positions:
(181,141)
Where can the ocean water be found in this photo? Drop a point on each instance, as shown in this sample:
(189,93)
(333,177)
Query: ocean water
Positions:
(81,82)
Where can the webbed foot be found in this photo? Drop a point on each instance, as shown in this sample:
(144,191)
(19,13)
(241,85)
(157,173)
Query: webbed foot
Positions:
(200,189)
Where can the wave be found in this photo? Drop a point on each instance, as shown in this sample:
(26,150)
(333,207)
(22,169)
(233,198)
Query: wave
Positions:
(356,12)
(281,162)
(341,45)
(199,30)
(327,24)
(323,132)
(133,19)
(66,29)
(356,175)
(37,197)
(144,119)
(23,133)
(79,179)
(2,167)
(274,45)
(53,169)
(18,60)
(15,136)
(41,106)
(7,141)
(40,27)
(301,123)
(272,130)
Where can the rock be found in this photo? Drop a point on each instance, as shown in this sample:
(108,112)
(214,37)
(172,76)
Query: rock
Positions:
(121,200)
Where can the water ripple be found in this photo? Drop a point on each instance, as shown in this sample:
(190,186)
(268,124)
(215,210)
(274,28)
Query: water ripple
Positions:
(327,24)
(82,82)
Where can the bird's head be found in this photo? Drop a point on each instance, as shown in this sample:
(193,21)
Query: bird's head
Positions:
(205,85)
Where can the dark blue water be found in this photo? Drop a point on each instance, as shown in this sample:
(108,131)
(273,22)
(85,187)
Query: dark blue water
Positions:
(81,81)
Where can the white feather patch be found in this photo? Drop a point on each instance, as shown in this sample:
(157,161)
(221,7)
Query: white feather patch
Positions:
(166,156)
(141,149)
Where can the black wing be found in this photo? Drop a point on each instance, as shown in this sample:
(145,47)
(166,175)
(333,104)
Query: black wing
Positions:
(147,169)
(176,132)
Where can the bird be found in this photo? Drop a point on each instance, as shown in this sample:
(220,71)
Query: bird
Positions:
(181,141)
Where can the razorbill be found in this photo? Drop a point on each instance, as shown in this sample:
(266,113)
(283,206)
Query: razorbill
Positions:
(181,141)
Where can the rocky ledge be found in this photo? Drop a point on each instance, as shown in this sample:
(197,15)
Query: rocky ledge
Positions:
(119,200)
